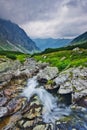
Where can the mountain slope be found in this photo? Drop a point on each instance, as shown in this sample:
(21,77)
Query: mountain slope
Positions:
(51,43)
(81,39)
(13,38)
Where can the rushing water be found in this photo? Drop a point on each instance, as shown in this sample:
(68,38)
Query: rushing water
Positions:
(51,110)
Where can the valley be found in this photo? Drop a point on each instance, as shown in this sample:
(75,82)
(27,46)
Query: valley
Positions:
(42,89)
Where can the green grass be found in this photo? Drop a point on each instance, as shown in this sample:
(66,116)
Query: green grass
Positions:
(64,59)
(15,55)
(22,57)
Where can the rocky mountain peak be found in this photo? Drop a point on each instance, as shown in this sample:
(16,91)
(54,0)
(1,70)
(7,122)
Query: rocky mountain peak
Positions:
(12,37)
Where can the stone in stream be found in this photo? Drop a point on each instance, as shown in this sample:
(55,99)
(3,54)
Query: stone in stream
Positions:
(42,81)
(8,92)
(35,109)
(82,101)
(65,98)
(9,122)
(45,77)
(31,114)
(44,127)
(3,101)
(53,90)
(14,106)
(3,111)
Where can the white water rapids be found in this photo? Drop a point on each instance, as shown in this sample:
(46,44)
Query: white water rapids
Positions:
(51,110)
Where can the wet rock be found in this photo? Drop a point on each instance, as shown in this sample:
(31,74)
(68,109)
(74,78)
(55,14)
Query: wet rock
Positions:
(3,101)
(43,127)
(35,111)
(9,122)
(35,124)
(14,106)
(1,94)
(3,111)
(82,101)
(48,73)
(28,124)
(66,98)
(31,113)
(52,89)
(42,81)
(34,108)
(8,92)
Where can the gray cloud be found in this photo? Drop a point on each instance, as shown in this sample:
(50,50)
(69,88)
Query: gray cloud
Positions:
(47,18)
(22,11)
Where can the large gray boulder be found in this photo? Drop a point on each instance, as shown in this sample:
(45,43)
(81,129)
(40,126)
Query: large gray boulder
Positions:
(48,73)
(73,80)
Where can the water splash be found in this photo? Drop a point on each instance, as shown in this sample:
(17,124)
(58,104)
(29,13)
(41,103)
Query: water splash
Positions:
(51,111)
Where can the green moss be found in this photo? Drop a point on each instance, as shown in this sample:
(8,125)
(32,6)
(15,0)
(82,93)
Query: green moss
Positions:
(50,82)
(66,119)
(71,75)
(21,58)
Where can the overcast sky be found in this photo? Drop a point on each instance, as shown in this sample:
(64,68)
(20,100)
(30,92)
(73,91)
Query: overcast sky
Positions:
(47,18)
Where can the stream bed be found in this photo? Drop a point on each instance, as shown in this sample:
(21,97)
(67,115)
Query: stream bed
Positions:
(25,104)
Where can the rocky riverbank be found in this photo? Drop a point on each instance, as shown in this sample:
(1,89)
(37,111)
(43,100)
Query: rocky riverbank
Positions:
(18,113)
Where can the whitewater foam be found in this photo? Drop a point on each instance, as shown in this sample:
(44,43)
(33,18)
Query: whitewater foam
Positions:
(51,111)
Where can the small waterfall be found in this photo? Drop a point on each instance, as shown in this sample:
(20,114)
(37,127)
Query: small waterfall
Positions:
(51,111)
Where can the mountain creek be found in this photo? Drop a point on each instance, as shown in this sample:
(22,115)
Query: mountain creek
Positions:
(35,96)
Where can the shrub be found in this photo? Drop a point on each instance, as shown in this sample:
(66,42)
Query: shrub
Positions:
(11,56)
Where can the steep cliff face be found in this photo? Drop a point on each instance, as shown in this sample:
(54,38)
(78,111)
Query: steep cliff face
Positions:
(12,37)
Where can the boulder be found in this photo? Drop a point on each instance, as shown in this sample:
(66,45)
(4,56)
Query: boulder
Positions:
(64,89)
(48,73)
(73,80)
(61,79)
